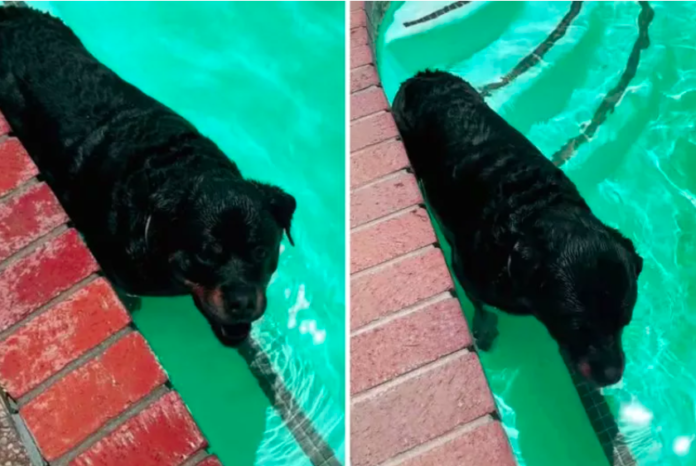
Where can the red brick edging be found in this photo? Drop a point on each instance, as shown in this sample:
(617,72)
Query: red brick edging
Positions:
(84,382)
(419,395)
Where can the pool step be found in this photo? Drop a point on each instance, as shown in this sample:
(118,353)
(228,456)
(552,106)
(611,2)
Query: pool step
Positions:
(418,393)
(82,385)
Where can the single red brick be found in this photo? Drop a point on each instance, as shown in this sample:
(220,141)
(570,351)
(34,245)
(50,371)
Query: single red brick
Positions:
(390,238)
(210,461)
(163,434)
(445,395)
(354,5)
(358,36)
(383,198)
(65,332)
(398,285)
(367,102)
(360,56)
(407,343)
(15,165)
(27,217)
(4,126)
(377,161)
(371,130)
(484,446)
(363,77)
(32,281)
(82,401)
(358,19)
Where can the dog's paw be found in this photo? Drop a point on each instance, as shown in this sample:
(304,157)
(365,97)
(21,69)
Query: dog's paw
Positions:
(485,330)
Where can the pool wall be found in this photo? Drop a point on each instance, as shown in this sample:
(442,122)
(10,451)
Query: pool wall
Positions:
(419,394)
(82,385)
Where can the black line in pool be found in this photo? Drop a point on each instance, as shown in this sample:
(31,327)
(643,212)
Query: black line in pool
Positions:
(536,56)
(609,102)
(298,423)
(602,420)
(436,14)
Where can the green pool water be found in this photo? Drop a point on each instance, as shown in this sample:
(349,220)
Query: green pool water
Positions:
(266,82)
(637,172)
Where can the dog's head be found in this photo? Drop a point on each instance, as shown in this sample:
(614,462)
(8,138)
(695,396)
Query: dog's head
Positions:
(586,299)
(224,246)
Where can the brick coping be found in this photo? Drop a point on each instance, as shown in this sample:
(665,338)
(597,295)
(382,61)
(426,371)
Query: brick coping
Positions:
(78,380)
(419,394)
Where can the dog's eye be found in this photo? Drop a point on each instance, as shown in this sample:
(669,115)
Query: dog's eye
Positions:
(259,253)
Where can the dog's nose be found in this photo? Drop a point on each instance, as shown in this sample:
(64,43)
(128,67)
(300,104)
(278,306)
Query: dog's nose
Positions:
(247,306)
(243,303)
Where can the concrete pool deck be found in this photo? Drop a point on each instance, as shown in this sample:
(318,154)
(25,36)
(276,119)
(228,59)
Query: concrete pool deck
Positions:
(419,394)
(81,385)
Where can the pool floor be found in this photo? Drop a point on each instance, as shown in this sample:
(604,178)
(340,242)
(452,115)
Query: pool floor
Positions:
(636,168)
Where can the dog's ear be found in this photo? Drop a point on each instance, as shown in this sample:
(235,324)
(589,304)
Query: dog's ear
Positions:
(281,205)
(628,244)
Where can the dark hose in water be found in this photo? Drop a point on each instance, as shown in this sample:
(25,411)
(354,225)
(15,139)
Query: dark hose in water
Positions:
(313,445)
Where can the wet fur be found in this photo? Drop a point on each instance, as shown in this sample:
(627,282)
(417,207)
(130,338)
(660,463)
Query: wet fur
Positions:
(523,239)
(164,211)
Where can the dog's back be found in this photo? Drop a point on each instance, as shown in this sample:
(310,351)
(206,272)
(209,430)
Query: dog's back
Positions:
(485,181)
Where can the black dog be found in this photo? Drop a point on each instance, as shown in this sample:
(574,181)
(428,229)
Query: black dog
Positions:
(523,240)
(164,211)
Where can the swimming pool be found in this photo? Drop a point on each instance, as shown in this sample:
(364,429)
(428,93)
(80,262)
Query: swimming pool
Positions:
(610,95)
(267,85)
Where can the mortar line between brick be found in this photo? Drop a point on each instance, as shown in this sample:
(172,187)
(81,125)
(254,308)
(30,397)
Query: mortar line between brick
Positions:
(403,312)
(389,384)
(365,90)
(112,424)
(384,218)
(383,265)
(388,176)
(19,190)
(366,117)
(72,365)
(31,247)
(196,458)
(365,149)
(438,441)
(45,307)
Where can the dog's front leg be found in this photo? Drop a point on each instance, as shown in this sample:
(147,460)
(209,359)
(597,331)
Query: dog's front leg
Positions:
(485,326)
(130,302)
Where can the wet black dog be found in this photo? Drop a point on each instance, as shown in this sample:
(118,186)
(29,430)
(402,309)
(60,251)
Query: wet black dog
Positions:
(164,211)
(523,240)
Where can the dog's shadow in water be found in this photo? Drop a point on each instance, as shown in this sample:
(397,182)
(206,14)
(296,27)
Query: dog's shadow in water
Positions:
(539,400)
(215,382)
